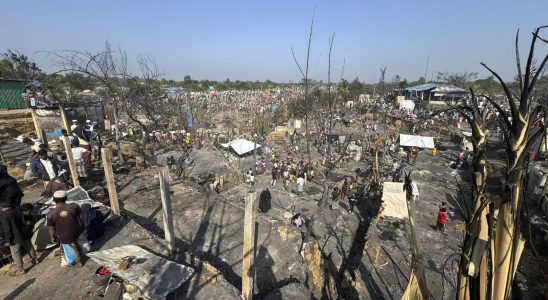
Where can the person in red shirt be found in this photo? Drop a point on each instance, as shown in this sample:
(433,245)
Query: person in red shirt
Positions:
(442,219)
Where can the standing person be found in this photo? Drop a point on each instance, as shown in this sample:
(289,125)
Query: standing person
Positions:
(344,189)
(274,176)
(187,140)
(78,154)
(44,167)
(84,142)
(74,125)
(265,201)
(10,192)
(442,205)
(64,133)
(415,154)
(96,143)
(29,217)
(301,223)
(17,235)
(66,223)
(300,185)
(442,219)
(352,199)
(90,125)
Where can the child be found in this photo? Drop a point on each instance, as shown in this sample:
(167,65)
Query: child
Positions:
(17,236)
(442,205)
(29,217)
(442,219)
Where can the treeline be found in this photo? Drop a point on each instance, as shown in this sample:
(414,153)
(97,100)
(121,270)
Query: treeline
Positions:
(17,66)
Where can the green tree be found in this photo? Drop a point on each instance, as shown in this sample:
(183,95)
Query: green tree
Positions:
(457,79)
(6,69)
(355,88)
(19,66)
(403,84)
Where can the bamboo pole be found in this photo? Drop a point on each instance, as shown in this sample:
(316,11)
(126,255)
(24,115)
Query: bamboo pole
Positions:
(249,247)
(39,132)
(106,155)
(166,208)
(64,117)
(70,159)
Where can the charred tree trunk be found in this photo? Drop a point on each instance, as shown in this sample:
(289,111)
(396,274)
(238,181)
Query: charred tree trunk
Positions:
(508,242)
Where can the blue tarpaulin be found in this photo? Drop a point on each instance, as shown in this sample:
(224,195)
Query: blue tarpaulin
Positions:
(422,87)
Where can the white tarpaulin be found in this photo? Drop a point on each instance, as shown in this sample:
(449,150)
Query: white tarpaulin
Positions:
(79,196)
(155,276)
(407,104)
(416,141)
(241,146)
(394,200)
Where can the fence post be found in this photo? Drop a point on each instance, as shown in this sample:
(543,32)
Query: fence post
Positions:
(249,247)
(166,208)
(106,155)
(70,159)
(39,132)
(64,117)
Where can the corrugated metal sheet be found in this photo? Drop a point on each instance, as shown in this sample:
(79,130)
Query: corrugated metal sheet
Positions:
(11,94)
(422,87)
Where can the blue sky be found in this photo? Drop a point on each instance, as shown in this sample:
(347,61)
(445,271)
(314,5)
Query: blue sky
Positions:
(251,40)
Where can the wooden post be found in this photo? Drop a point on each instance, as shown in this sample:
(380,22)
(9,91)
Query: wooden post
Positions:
(70,159)
(412,225)
(249,246)
(109,178)
(64,117)
(39,132)
(166,208)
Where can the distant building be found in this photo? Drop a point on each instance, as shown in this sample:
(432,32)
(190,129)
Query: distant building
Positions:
(173,92)
(434,92)
(11,94)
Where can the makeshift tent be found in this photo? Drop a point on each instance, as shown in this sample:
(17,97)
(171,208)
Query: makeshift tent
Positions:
(416,141)
(241,146)
(394,200)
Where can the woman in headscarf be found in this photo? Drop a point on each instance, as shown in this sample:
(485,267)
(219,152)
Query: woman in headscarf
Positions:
(9,189)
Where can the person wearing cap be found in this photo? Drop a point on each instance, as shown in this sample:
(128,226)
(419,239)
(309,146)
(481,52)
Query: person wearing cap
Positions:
(17,235)
(90,124)
(65,224)
(84,142)
(74,125)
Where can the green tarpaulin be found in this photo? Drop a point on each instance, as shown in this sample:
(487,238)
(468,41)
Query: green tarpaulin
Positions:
(11,94)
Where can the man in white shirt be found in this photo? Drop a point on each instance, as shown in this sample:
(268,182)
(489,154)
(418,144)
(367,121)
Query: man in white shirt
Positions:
(74,125)
(300,185)
(44,167)
(78,156)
